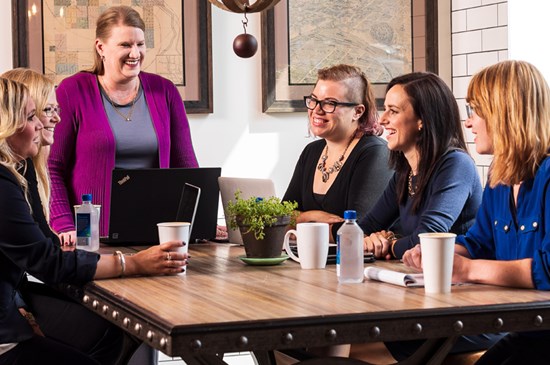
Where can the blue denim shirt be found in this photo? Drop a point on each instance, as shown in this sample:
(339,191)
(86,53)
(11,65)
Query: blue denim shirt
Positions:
(502,232)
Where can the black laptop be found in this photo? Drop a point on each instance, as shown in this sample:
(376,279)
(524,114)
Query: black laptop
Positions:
(141,198)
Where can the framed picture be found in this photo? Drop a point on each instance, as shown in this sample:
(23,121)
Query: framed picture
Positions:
(384,38)
(56,37)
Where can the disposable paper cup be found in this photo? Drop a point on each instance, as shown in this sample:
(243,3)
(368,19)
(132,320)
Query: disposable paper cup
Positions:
(437,261)
(175,231)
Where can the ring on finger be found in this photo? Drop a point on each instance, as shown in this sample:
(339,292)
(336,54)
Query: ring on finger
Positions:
(168,256)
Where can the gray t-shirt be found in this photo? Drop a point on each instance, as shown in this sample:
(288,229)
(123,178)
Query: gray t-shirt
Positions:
(136,139)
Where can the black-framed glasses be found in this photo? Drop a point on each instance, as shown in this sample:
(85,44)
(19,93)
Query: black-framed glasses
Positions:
(49,110)
(328,106)
(470,110)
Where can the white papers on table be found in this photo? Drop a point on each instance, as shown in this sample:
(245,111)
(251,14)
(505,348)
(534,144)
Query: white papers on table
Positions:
(394,277)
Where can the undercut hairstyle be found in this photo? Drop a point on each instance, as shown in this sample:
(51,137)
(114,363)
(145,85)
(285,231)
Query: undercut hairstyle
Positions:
(359,91)
(434,104)
(113,17)
(514,100)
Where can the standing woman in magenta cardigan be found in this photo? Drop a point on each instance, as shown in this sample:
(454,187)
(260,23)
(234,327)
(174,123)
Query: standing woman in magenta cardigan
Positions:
(114,116)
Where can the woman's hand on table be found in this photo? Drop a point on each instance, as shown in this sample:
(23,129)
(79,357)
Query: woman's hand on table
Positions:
(158,260)
(67,238)
(379,243)
(318,216)
(461,262)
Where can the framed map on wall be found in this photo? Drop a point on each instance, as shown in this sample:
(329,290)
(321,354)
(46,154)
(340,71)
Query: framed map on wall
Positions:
(58,39)
(383,38)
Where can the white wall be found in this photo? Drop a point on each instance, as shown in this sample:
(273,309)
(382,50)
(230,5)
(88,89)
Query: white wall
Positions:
(528,32)
(238,136)
(5,36)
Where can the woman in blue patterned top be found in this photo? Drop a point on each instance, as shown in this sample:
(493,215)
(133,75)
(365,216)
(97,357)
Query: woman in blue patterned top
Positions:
(509,115)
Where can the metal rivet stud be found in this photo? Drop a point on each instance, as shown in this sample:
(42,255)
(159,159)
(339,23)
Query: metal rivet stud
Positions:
(538,321)
(137,328)
(126,322)
(105,309)
(331,334)
(287,338)
(242,341)
(196,345)
(163,342)
(374,332)
(86,299)
(95,304)
(417,328)
(498,323)
(458,326)
(115,315)
(150,335)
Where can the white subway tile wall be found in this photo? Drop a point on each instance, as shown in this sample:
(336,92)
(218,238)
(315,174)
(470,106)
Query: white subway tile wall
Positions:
(479,38)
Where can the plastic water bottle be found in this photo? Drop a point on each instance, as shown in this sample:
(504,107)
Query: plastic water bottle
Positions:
(87,225)
(349,250)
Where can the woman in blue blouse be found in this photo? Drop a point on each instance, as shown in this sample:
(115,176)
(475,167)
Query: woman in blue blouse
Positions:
(509,115)
(436,187)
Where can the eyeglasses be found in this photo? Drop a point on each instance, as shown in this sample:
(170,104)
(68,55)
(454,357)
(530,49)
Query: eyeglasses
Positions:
(328,106)
(470,110)
(49,110)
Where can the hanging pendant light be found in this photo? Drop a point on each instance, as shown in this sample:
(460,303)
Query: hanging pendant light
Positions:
(239,6)
(245,45)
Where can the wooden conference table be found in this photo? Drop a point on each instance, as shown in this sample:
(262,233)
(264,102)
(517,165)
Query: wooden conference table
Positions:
(222,305)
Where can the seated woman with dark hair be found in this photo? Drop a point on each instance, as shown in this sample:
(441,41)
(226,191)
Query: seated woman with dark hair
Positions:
(436,187)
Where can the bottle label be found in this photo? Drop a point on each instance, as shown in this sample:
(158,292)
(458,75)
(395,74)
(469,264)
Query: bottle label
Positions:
(83,229)
(337,255)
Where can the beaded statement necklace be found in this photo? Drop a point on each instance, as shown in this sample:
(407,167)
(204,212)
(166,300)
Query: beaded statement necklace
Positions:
(325,173)
(410,187)
(128,117)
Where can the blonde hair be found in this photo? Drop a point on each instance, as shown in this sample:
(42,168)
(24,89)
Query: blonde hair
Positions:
(514,100)
(12,121)
(40,87)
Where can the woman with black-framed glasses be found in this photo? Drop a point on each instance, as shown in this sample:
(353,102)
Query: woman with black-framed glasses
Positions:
(346,167)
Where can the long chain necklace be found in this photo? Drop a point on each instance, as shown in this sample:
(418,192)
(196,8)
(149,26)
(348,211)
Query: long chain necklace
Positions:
(412,190)
(325,173)
(128,117)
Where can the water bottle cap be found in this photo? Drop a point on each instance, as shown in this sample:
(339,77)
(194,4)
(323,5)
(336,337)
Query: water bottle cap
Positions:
(350,214)
(86,197)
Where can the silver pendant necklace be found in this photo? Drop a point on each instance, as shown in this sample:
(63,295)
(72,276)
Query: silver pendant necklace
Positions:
(127,117)
(325,173)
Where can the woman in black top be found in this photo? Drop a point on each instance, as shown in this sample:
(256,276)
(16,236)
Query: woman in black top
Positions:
(347,168)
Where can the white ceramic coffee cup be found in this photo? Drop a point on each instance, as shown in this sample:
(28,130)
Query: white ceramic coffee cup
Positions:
(437,261)
(312,240)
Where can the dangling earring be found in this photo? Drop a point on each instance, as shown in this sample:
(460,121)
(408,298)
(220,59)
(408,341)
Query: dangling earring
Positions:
(103,58)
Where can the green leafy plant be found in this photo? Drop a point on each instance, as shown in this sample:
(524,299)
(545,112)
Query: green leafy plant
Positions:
(258,213)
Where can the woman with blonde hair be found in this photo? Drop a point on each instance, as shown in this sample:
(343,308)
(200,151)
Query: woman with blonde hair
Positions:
(509,244)
(42,91)
(49,329)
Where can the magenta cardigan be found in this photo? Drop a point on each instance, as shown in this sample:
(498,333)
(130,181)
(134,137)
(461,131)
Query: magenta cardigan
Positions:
(83,155)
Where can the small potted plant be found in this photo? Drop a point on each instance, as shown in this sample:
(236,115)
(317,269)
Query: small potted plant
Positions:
(262,223)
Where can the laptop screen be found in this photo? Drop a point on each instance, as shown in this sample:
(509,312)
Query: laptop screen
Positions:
(141,198)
